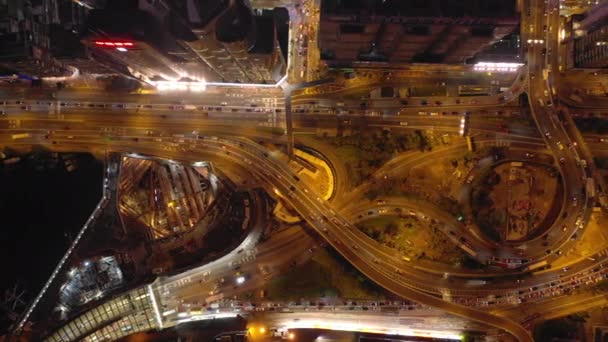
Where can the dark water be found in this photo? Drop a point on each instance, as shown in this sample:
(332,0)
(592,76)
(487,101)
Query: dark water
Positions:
(42,205)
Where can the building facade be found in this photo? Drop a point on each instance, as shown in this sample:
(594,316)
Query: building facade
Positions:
(591,49)
(414,31)
(217,40)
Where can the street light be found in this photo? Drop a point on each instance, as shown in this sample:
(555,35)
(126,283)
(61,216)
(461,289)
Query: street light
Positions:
(240,280)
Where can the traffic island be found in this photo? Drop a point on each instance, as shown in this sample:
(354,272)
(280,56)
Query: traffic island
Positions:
(412,237)
(333,278)
(312,171)
(364,153)
(515,201)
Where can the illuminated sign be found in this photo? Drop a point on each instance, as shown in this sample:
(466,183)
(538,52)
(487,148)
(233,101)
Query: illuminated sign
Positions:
(496,67)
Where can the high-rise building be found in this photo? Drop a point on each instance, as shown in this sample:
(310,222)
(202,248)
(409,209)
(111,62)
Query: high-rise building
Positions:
(429,31)
(215,40)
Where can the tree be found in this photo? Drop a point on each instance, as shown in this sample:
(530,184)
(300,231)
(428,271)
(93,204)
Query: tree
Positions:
(556,328)
(391,229)
(372,194)
(467,337)
(579,317)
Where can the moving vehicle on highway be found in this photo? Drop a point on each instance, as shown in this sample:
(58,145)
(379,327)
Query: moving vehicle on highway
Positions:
(536,266)
(474,90)
(20,136)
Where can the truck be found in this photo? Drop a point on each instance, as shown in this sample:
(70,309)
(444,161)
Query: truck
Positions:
(20,136)
(576,98)
(215,298)
(476,282)
(13,160)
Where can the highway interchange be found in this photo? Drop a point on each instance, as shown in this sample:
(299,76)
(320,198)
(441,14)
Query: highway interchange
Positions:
(226,132)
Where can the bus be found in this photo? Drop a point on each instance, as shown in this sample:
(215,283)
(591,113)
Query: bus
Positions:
(468,250)
(474,90)
(535,266)
(20,136)
(590,187)
(470,144)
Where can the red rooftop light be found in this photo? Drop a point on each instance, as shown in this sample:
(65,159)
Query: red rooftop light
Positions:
(112,44)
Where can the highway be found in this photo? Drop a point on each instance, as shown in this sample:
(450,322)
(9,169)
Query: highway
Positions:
(282,179)
(73,131)
(173,129)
